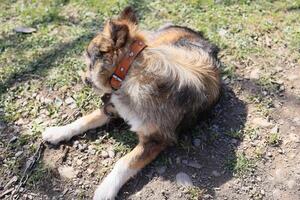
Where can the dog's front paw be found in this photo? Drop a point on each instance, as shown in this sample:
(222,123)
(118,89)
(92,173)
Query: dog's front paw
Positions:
(105,191)
(54,135)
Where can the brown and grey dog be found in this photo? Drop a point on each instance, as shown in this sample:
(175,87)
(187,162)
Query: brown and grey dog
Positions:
(169,81)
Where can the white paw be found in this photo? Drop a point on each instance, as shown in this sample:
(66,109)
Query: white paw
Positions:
(105,191)
(54,135)
(111,185)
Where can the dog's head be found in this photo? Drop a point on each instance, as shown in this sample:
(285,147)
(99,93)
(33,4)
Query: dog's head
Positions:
(106,48)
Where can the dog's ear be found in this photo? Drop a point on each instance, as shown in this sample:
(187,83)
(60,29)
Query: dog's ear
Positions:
(119,34)
(128,14)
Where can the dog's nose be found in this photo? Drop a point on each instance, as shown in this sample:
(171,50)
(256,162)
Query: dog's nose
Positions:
(88,81)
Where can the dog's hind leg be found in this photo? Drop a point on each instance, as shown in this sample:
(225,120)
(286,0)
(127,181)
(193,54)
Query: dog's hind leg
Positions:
(127,167)
(54,135)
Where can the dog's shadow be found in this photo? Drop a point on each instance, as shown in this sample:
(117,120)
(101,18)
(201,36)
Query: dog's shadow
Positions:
(206,153)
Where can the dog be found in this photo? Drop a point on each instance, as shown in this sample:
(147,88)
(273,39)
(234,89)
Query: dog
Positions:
(155,81)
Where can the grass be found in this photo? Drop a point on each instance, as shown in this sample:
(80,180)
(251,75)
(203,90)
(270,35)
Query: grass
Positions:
(38,175)
(51,57)
(274,139)
(263,104)
(238,134)
(195,193)
(269,84)
(248,131)
(240,165)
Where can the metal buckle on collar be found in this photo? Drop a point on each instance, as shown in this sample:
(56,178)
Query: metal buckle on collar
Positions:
(116,77)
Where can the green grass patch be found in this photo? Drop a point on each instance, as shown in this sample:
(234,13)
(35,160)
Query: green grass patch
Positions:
(239,165)
(39,175)
(195,193)
(274,139)
(238,134)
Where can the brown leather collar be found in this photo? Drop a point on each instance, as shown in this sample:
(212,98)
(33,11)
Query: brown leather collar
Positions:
(123,67)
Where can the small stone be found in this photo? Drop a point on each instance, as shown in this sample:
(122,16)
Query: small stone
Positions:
(234,141)
(58,102)
(104,163)
(281,88)
(29,161)
(18,153)
(76,144)
(82,147)
(67,172)
(20,121)
(97,141)
(184,162)
(281,121)
(92,151)
(255,74)
(262,192)
(183,179)
(111,153)
(79,162)
(216,173)
(280,151)
(275,129)
(253,191)
(69,100)
(90,171)
(24,29)
(194,164)
(72,106)
(207,196)
(161,170)
(280,81)
(47,100)
(244,188)
(277,104)
(104,154)
(196,142)
(258,179)
(277,193)
(265,93)
(13,139)
(269,154)
(178,160)
(291,184)
(226,81)
(222,32)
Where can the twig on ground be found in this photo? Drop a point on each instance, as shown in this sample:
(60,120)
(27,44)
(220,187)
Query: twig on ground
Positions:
(28,170)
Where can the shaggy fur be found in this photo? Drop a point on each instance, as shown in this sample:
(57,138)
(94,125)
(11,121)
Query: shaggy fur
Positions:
(175,77)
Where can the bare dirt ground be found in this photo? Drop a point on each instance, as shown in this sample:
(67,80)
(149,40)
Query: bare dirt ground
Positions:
(246,148)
